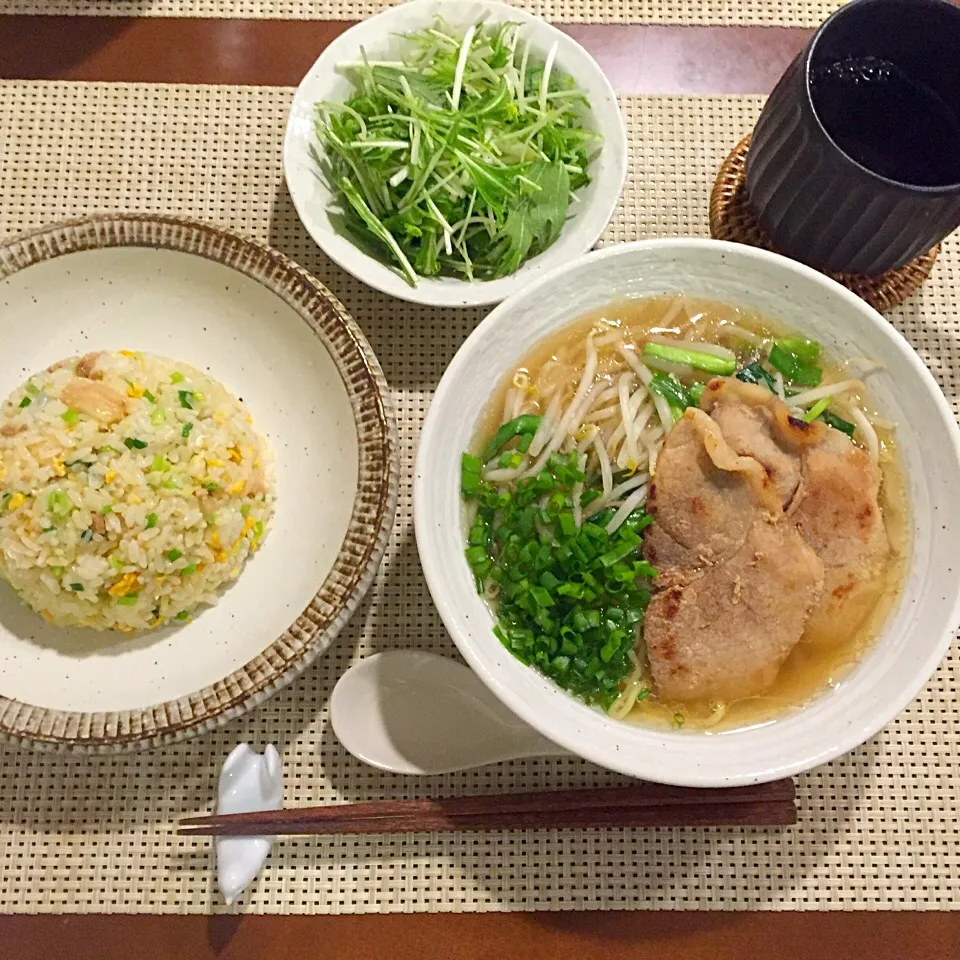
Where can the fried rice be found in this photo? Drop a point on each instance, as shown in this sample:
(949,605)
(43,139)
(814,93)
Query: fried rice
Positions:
(132,487)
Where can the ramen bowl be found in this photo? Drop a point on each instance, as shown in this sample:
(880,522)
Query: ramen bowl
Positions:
(917,632)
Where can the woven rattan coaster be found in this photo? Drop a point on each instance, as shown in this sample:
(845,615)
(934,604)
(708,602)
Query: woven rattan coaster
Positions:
(732,219)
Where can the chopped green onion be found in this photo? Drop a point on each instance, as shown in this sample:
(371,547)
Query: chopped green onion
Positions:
(526,423)
(157,416)
(132,443)
(70,415)
(568,526)
(189,569)
(622,549)
(59,504)
(172,483)
(816,410)
(185,432)
(696,392)
(86,536)
(151,521)
(211,487)
(172,555)
(258,529)
(25,402)
(570,596)
(722,366)
(183,615)
(78,587)
(176,377)
(130,600)
(115,562)
(32,389)
(159,464)
(838,423)
(794,369)
(469,473)
(107,508)
(78,463)
(245,510)
(149,396)
(476,555)
(186,398)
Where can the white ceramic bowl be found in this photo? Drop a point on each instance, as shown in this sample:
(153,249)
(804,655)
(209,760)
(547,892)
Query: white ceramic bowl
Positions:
(379,37)
(919,630)
(279,340)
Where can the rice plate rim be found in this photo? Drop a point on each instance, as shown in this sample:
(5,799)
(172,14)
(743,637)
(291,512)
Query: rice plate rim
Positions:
(370,522)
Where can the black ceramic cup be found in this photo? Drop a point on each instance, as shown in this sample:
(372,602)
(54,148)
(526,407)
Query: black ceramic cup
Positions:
(854,164)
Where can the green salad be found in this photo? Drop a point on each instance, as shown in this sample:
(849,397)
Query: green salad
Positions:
(459,159)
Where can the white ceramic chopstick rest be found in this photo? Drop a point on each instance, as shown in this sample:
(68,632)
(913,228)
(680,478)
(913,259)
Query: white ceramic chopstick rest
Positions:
(249,782)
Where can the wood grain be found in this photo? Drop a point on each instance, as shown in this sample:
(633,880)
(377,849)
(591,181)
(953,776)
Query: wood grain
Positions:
(602,935)
(637,58)
(637,805)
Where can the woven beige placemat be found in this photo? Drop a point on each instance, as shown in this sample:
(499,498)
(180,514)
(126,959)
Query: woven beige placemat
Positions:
(879,828)
(792,13)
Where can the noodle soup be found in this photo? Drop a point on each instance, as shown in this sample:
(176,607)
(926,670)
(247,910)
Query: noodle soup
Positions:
(596,558)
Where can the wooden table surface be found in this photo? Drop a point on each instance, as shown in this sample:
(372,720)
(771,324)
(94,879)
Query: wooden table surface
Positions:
(638,59)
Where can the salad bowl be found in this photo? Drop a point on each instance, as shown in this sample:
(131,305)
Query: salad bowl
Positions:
(378,39)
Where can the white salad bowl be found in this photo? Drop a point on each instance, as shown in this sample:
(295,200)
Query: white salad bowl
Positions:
(921,625)
(379,37)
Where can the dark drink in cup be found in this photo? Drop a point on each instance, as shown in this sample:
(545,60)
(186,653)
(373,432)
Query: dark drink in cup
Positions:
(854,165)
(887,121)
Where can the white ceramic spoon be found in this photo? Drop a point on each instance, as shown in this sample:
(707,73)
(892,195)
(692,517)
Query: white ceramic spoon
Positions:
(411,712)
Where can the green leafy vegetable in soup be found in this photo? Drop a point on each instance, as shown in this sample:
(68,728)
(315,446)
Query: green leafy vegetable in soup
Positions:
(462,157)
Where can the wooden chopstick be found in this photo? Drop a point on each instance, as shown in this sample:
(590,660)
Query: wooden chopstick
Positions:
(638,805)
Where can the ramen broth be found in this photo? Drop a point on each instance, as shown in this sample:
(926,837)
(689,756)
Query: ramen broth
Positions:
(816,663)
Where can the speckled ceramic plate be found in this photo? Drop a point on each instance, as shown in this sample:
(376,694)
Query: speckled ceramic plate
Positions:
(279,340)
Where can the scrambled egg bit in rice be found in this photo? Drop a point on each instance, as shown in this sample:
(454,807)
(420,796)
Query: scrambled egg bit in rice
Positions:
(132,487)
